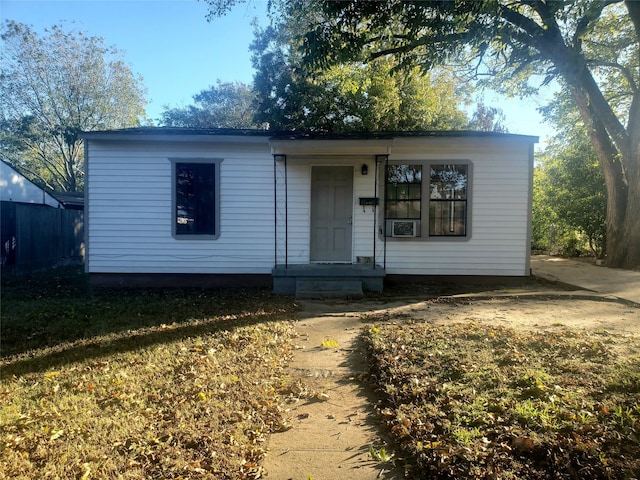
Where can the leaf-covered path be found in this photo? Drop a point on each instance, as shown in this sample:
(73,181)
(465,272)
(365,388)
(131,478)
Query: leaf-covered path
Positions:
(333,433)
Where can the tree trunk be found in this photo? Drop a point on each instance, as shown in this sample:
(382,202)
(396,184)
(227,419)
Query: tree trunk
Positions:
(628,245)
(631,229)
(613,176)
(618,153)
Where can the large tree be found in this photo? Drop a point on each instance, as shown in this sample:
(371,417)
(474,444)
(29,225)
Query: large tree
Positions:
(52,87)
(352,96)
(224,105)
(591,47)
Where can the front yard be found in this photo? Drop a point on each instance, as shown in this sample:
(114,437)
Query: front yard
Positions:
(124,384)
(189,383)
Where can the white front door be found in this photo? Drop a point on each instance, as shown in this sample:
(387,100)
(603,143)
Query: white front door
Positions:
(331,214)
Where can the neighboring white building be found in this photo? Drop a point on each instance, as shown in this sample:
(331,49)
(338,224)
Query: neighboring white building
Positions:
(170,206)
(15,187)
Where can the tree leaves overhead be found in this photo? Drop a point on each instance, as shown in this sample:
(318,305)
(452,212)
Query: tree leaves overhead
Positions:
(414,32)
(54,86)
(353,88)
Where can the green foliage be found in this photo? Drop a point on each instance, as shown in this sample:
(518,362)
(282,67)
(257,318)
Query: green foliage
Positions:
(380,454)
(357,94)
(543,219)
(351,96)
(225,105)
(54,86)
(569,187)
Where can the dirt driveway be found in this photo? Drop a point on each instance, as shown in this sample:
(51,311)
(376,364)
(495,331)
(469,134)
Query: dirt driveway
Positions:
(542,311)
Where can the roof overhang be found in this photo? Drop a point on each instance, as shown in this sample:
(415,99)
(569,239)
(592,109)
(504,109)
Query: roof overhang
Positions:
(297,142)
(331,147)
(184,137)
(385,144)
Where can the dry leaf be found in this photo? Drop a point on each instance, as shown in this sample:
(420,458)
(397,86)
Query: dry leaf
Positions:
(523,443)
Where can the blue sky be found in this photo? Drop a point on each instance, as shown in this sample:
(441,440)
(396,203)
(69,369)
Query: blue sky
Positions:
(169,43)
(179,53)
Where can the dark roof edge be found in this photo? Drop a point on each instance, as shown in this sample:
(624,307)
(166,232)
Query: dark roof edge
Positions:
(133,133)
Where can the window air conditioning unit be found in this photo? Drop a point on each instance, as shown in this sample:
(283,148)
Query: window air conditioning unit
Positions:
(404,228)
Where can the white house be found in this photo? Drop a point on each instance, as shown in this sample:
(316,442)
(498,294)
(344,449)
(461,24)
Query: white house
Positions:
(184,206)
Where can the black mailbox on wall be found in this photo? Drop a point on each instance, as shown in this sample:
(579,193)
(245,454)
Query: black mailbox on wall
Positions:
(368,201)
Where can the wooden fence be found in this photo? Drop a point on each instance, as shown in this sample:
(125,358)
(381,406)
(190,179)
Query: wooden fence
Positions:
(38,237)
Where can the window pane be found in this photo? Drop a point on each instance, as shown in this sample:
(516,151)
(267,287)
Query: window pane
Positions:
(391,192)
(195,198)
(448,182)
(447,218)
(403,191)
(404,174)
(403,209)
(415,191)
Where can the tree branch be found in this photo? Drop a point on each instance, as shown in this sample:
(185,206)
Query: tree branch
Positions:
(593,12)
(425,40)
(626,73)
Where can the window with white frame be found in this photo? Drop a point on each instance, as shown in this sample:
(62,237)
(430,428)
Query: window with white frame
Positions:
(196,196)
(440,203)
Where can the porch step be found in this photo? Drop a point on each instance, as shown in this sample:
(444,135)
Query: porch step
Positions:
(365,277)
(328,288)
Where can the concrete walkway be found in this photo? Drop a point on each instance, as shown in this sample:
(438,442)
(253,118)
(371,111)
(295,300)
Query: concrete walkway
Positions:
(334,430)
(624,284)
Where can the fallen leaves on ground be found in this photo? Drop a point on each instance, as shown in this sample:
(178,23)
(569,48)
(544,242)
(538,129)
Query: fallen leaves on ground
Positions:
(139,383)
(477,401)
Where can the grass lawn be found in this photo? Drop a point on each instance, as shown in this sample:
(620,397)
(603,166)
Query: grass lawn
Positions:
(139,384)
(157,384)
(469,401)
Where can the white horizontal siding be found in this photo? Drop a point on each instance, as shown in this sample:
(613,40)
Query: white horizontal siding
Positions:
(130,217)
(363,217)
(499,216)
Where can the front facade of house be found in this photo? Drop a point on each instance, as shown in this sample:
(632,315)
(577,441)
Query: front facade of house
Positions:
(240,204)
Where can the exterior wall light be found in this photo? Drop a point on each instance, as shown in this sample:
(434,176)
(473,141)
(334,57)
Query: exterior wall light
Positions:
(365,169)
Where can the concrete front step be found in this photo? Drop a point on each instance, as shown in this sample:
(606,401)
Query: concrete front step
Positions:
(328,288)
(286,278)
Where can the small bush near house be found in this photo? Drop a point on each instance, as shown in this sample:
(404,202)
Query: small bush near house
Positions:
(469,401)
(139,384)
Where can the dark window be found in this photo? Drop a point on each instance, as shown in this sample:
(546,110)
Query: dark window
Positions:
(195,199)
(448,200)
